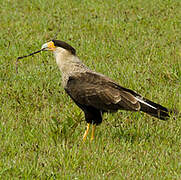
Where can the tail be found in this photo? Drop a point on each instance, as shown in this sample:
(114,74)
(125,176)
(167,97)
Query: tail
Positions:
(154,109)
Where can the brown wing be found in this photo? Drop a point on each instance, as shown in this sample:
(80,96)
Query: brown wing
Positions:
(100,92)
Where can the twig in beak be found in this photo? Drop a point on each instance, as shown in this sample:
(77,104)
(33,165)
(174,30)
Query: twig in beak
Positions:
(17,60)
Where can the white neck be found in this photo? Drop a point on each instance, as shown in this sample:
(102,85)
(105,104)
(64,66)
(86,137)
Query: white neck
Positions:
(68,63)
(64,59)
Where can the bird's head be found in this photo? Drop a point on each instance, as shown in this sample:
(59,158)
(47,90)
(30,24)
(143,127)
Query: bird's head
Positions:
(55,45)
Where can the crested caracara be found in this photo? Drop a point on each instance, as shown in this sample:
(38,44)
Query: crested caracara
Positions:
(95,93)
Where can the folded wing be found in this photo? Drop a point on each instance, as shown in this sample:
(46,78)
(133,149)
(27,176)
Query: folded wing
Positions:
(100,92)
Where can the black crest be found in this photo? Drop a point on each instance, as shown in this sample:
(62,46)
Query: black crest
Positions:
(64,45)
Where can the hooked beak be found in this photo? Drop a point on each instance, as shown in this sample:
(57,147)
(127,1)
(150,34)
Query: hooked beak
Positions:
(49,46)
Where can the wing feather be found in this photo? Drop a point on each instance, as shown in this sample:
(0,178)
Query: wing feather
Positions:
(98,91)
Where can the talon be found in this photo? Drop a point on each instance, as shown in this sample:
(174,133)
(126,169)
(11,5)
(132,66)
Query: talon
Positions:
(86,132)
(93,132)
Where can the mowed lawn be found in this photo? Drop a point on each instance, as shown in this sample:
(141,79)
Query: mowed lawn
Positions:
(135,42)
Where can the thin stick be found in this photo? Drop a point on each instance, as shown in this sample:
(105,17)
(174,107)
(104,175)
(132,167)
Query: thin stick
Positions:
(17,60)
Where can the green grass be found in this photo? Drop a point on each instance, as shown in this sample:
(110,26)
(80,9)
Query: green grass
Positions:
(136,43)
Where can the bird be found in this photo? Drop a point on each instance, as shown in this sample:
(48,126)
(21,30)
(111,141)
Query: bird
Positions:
(95,93)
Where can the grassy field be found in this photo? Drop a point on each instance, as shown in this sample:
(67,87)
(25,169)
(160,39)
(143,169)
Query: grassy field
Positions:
(137,43)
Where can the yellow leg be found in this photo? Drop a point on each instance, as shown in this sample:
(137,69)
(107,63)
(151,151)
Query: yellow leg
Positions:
(93,131)
(86,132)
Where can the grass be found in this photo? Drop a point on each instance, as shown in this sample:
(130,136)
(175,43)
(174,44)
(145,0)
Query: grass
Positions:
(136,43)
